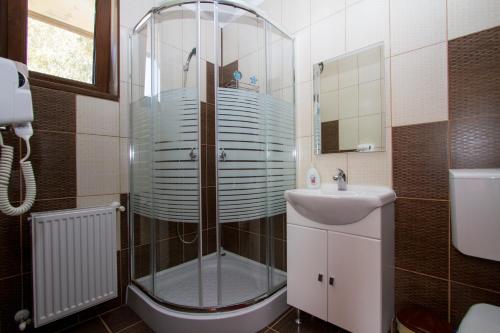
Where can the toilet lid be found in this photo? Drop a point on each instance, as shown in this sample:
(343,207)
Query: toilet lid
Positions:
(481,318)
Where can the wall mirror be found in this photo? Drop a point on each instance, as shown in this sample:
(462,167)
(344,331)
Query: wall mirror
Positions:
(349,102)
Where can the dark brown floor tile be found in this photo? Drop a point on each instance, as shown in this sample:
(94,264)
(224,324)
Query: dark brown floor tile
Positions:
(53,156)
(309,324)
(40,206)
(420,160)
(10,302)
(474,75)
(138,328)
(120,318)
(474,142)
(463,297)
(54,110)
(474,271)
(416,289)
(56,326)
(10,245)
(94,325)
(422,229)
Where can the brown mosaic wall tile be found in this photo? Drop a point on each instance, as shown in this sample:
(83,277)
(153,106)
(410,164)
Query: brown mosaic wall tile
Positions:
(416,289)
(463,297)
(475,142)
(10,245)
(211,124)
(10,139)
(474,271)
(474,75)
(54,110)
(10,302)
(227,71)
(330,137)
(53,156)
(422,229)
(420,160)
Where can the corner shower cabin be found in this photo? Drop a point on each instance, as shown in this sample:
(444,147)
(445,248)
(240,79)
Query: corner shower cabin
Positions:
(212,152)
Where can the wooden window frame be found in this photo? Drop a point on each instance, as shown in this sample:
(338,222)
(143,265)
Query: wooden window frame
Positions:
(13,45)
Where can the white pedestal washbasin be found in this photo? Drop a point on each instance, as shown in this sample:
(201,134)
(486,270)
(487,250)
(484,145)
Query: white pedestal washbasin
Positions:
(327,205)
(340,255)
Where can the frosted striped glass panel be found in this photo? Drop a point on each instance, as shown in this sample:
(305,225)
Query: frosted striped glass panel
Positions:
(257,134)
(165,165)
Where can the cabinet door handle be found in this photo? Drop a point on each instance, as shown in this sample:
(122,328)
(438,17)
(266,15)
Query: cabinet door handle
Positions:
(320,277)
(331,280)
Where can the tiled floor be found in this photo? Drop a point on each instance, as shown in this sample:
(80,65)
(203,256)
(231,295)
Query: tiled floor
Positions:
(309,324)
(121,320)
(124,320)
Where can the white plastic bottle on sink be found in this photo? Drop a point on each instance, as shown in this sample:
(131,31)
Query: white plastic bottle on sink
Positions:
(313,179)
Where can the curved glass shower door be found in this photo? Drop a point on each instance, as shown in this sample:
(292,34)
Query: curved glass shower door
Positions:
(212,122)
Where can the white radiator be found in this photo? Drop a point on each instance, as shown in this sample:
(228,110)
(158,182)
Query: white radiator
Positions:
(74,261)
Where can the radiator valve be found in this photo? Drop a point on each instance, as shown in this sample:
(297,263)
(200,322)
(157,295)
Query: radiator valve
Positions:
(23,318)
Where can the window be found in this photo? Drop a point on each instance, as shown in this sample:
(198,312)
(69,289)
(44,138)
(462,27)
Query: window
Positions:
(61,38)
(67,44)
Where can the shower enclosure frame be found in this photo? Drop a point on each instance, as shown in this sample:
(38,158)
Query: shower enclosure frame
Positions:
(216,43)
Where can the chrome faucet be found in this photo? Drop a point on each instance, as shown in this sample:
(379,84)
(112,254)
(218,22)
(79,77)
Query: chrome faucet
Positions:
(341,180)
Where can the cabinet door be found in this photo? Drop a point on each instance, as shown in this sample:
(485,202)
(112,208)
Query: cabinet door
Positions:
(307,269)
(354,282)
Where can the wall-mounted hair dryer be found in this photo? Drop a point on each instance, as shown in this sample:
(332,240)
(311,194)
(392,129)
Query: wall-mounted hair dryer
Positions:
(16,110)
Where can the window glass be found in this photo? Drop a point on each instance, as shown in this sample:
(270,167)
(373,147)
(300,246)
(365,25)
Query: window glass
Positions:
(61,38)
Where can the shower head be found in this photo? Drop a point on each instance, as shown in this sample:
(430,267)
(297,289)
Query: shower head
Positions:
(191,54)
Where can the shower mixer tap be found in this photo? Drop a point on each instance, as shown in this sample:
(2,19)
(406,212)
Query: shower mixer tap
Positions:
(192,154)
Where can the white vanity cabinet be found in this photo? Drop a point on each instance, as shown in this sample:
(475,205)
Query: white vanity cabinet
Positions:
(343,273)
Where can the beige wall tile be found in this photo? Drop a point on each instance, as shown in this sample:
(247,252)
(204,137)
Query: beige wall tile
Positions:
(97,116)
(365,24)
(303,69)
(304,109)
(323,8)
(296,14)
(469,16)
(303,158)
(369,168)
(124,165)
(416,24)
(348,133)
(97,165)
(328,38)
(327,165)
(420,86)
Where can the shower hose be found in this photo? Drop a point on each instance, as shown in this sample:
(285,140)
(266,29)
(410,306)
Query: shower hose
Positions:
(29,178)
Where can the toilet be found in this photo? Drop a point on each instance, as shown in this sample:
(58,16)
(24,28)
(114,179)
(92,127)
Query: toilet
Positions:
(475,229)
